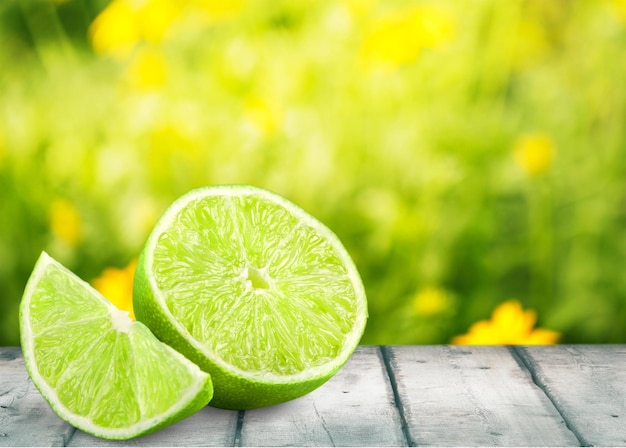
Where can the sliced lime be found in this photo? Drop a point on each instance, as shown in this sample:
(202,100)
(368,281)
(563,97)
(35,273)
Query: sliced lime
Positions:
(99,370)
(254,290)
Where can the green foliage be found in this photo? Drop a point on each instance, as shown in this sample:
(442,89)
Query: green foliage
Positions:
(411,155)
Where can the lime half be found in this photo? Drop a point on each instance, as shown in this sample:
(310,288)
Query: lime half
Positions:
(99,370)
(254,290)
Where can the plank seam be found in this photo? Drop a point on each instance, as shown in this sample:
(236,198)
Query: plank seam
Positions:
(387,358)
(238,429)
(66,442)
(528,364)
(324,426)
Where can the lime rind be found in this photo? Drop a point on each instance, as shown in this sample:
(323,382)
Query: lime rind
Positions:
(70,394)
(328,366)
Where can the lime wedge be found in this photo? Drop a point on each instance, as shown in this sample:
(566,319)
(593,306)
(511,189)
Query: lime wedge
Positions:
(99,370)
(254,290)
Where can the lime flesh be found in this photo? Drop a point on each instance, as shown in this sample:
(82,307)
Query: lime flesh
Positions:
(99,370)
(254,290)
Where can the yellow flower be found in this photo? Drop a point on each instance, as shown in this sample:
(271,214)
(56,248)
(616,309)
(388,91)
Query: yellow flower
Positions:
(263,116)
(156,18)
(115,31)
(534,153)
(65,222)
(117,286)
(124,23)
(430,301)
(399,37)
(148,70)
(509,324)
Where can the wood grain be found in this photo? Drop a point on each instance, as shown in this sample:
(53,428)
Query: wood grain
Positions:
(468,396)
(208,427)
(588,384)
(354,408)
(25,417)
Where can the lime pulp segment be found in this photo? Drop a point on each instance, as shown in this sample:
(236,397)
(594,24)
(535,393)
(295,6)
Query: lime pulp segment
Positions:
(99,370)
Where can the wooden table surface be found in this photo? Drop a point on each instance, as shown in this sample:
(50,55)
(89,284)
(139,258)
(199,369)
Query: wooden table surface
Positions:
(389,396)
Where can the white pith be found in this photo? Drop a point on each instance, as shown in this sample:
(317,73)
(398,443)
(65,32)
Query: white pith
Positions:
(81,422)
(120,320)
(244,278)
(351,340)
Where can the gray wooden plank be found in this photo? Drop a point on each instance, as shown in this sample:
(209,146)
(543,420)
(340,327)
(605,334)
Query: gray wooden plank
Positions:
(208,427)
(587,383)
(354,408)
(26,419)
(468,396)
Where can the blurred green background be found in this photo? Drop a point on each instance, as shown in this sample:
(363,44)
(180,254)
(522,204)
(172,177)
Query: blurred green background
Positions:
(465,152)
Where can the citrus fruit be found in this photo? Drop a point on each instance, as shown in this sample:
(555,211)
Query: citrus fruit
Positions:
(99,370)
(254,290)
